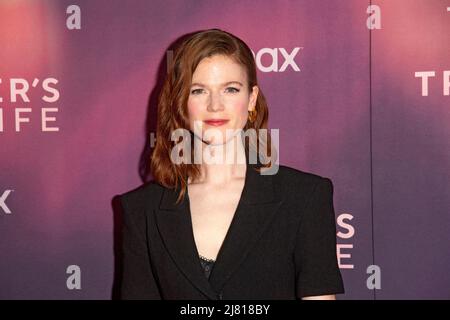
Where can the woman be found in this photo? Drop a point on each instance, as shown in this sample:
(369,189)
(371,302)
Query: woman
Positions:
(216,229)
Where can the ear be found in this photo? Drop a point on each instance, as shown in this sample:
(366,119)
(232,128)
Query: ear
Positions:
(253,98)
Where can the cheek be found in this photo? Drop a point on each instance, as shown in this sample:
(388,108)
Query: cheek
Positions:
(240,110)
(195,113)
(194,109)
(240,106)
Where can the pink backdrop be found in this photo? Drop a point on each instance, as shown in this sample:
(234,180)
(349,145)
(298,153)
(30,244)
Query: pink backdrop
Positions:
(349,106)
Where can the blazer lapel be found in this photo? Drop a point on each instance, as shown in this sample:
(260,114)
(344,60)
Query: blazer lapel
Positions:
(175,226)
(256,208)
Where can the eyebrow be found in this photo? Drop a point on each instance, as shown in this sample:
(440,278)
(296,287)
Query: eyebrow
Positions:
(224,84)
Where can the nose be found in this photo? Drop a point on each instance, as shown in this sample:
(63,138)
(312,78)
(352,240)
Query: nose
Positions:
(215,102)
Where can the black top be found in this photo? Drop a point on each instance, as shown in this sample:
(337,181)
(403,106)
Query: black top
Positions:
(281,243)
(207,265)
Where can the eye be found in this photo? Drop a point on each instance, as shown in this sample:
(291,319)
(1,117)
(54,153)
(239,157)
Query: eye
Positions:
(196,91)
(232,90)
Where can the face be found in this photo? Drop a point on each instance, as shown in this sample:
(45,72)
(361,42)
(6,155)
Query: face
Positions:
(219,91)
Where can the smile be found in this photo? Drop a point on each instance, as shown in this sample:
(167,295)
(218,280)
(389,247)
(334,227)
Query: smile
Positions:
(216,122)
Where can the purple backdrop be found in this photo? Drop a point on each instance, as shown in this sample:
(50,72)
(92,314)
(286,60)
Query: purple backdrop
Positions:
(365,104)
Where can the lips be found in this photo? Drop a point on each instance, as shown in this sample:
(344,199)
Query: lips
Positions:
(216,122)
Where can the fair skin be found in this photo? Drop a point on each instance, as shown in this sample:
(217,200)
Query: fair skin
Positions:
(219,90)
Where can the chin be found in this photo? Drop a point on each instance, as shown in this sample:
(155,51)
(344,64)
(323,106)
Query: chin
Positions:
(218,142)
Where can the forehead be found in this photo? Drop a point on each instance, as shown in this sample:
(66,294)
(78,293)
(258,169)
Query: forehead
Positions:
(219,68)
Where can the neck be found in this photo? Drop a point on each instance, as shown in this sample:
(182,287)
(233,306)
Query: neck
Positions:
(221,163)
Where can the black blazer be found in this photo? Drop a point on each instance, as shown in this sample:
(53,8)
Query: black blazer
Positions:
(281,243)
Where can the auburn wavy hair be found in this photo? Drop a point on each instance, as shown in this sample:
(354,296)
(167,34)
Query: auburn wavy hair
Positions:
(172,104)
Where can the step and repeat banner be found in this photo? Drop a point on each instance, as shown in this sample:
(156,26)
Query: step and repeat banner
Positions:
(358,89)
